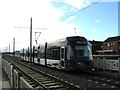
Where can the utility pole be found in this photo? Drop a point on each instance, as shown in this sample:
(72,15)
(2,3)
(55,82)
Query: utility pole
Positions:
(30,49)
(45,54)
(75,31)
(14,46)
(36,37)
(9,47)
(31,40)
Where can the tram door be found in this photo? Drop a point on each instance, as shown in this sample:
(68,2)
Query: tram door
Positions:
(38,54)
(62,57)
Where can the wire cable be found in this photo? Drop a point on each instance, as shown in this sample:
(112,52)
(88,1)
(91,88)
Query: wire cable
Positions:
(80,11)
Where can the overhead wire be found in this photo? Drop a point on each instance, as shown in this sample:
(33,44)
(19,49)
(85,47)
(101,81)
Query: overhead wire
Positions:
(80,10)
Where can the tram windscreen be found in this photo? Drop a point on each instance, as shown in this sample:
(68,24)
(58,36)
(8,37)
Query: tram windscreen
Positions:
(80,52)
(79,48)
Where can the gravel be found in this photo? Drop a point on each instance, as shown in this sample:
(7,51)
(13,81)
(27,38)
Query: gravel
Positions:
(76,80)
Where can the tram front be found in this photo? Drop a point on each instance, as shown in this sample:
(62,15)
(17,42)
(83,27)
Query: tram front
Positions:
(79,53)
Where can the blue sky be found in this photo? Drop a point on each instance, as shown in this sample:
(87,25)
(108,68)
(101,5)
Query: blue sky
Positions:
(97,22)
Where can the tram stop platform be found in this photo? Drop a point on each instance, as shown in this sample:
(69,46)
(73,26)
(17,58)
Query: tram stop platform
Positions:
(4,82)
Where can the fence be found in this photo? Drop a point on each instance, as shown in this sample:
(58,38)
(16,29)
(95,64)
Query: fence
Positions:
(107,64)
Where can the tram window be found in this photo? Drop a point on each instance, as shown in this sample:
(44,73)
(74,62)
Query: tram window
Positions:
(68,52)
(55,54)
(80,53)
(62,53)
(38,47)
(62,63)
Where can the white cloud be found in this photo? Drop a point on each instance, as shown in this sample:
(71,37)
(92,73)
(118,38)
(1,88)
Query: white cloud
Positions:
(84,3)
(75,3)
(18,13)
(97,21)
(68,19)
(58,31)
(108,0)
(79,4)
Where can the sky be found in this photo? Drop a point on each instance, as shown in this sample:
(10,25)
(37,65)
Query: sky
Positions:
(55,19)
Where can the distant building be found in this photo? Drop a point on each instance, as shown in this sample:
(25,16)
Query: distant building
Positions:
(112,43)
(96,46)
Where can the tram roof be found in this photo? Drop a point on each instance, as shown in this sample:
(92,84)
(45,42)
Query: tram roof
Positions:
(64,39)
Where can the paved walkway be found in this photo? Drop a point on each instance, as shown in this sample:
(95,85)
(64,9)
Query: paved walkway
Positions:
(4,83)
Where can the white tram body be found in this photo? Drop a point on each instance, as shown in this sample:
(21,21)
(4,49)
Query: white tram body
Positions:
(68,53)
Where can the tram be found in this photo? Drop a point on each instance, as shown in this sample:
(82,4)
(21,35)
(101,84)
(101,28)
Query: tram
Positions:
(70,53)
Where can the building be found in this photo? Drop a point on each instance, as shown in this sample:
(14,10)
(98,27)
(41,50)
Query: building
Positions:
(96,46)
(112,43)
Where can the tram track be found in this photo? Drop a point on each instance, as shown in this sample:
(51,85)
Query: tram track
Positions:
(90,77)
(106,80)
(40,79)
(113,82)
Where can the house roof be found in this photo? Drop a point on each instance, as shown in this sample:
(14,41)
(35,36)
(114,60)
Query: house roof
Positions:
(112,39)
(96,42)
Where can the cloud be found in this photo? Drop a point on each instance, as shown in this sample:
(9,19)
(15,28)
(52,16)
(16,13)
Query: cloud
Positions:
(108,0)
(72,7)
(70,18)
(97,21)
(59,31)
(79,4)
(75,3)
(18,13)
(44,14)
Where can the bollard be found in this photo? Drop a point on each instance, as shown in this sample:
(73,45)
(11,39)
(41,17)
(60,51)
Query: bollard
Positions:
(119,68)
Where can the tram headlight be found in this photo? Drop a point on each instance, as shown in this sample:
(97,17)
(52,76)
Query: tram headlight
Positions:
(79,63)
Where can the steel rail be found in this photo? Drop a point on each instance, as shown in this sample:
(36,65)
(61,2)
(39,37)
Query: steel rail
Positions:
(55,79)
(25,73)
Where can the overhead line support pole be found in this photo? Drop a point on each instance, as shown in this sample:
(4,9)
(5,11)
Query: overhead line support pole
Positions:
(31,40)
(14,46)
